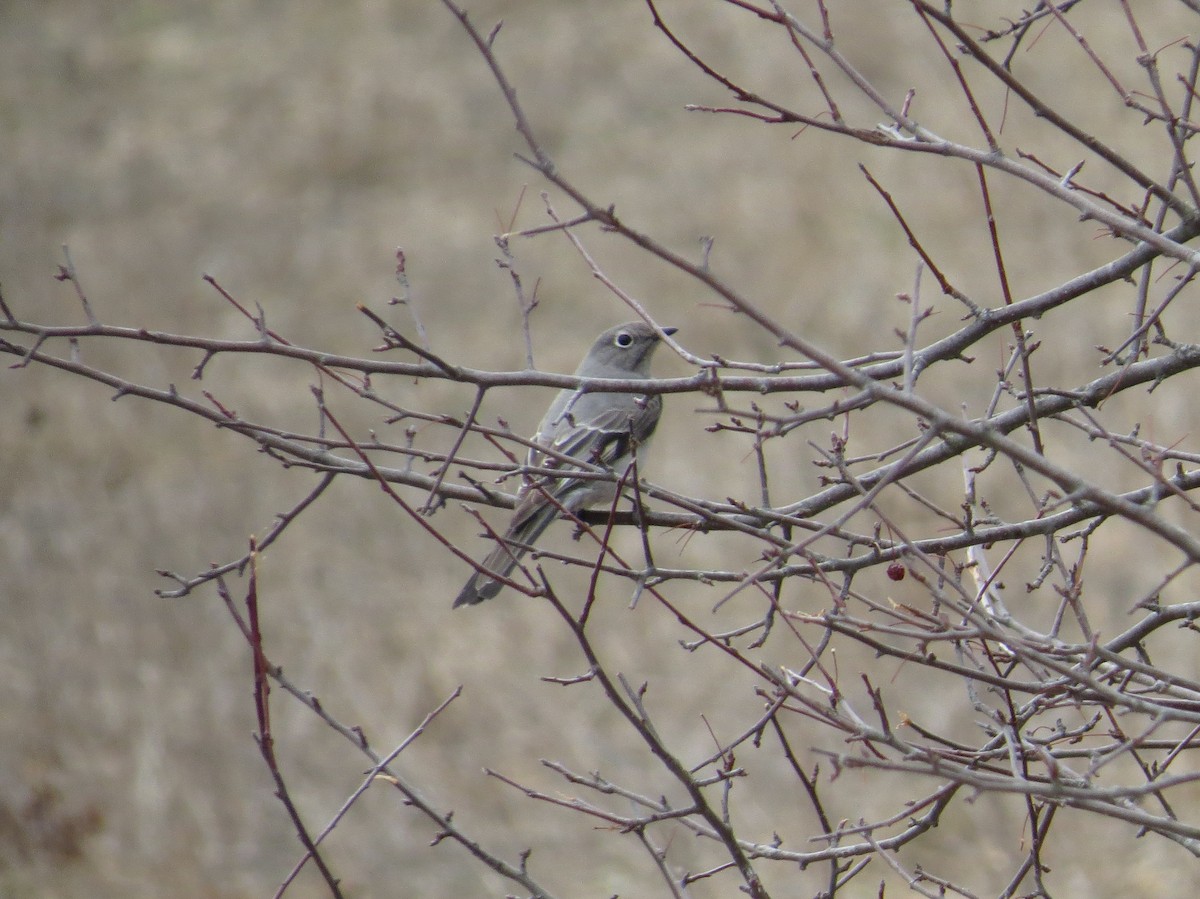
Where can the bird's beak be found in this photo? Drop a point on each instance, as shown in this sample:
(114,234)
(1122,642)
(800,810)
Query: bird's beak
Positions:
(669,331)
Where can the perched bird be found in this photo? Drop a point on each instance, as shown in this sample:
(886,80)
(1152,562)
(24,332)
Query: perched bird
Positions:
(596,428)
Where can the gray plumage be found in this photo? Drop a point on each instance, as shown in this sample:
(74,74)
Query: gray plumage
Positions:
(597,429)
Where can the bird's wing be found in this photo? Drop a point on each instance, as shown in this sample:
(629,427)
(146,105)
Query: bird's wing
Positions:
(602,437)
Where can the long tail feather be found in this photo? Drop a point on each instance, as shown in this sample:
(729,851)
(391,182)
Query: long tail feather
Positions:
(505,558)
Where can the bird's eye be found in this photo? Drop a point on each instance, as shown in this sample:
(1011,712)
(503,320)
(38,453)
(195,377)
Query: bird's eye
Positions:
(623,339)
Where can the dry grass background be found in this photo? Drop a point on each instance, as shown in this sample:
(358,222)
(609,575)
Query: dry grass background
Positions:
(287,148)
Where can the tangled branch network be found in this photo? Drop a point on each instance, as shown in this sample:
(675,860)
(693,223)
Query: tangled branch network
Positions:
(963,532)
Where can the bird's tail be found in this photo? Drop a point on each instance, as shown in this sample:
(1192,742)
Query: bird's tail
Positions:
(507,555)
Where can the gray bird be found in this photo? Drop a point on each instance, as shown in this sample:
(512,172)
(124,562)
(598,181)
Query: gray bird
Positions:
(597,429)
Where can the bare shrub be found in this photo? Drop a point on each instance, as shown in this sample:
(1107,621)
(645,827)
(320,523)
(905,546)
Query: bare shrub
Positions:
(962,645)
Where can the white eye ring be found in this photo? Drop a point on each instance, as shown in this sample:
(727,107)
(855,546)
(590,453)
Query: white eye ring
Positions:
(623,339)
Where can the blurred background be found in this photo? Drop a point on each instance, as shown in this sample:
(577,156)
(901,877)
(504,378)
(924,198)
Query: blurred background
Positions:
(287,149)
